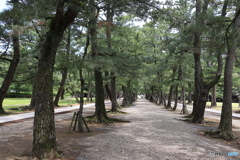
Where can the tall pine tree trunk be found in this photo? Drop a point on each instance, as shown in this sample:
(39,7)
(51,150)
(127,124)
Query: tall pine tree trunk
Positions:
(110,14)
(80,116)
(44,135)
(202,87)
(225,126)
(100,110)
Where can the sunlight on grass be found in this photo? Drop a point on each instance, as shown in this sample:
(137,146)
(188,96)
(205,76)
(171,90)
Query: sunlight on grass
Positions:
(19,102)
(219,106)
(16,101)
(12,105)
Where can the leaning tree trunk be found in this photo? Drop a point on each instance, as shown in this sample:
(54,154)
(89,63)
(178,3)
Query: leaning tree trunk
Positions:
(44,135)
(61,87)
(13,62)
(225,126)
(65,69)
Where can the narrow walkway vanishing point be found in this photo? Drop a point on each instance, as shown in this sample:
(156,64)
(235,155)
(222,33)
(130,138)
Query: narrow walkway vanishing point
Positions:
(152,134)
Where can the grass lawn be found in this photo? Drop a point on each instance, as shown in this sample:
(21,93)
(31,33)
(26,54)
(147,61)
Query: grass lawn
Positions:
(9,103)
(219,106)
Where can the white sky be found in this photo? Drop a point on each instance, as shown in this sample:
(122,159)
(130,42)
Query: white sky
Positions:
(3,5)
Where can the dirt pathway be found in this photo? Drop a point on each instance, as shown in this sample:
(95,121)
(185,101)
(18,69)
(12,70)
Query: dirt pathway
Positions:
(153,133)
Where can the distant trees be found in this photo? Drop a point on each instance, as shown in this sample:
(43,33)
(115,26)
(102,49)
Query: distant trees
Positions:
(203,34)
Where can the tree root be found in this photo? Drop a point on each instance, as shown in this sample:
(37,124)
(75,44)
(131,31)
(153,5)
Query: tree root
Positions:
(228,136)
(116,112)
(188,116)
(5,113)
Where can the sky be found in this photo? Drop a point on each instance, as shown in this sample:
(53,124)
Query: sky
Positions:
(3,5)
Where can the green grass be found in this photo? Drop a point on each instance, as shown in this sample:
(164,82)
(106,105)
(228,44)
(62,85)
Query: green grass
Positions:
(19,102)
(219,106)
(16,101)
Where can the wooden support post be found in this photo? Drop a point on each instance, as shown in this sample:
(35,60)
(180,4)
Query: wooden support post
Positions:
(72,122)
(76,119)
(85,124)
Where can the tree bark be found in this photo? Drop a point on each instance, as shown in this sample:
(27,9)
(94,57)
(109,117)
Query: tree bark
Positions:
(127,95)
(44,135)
(14,62)
(225,126)
(100,110)
(80,116)
(213,97)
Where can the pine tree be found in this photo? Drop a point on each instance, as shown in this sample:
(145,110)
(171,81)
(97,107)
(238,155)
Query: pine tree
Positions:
(44,135)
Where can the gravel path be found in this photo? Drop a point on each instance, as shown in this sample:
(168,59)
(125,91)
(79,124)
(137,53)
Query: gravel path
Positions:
(152,134)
